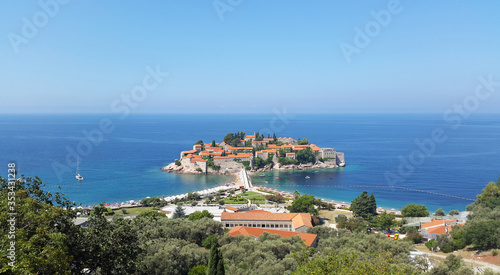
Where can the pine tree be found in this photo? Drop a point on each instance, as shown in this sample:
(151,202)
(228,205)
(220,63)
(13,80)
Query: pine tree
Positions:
(179,212)
(215,262)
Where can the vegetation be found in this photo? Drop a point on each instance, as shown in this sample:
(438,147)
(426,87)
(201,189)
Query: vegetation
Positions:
(198,215)
(385,221)
(234,139)
(439,212)
(275,198)
(454,212)
(177,162)
(414,210)
(364,206)
(304,204)
(179,212)
(260,163)
(215,262)
(302,141)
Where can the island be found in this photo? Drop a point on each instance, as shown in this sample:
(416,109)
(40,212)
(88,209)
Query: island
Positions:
(254,153)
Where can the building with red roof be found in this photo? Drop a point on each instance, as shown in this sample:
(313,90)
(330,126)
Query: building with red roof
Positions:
(309,239)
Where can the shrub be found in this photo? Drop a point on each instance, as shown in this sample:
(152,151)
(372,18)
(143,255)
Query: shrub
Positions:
(494,253)
(199,169)
(445,243)
(431,244)
(415,237)
(177,162)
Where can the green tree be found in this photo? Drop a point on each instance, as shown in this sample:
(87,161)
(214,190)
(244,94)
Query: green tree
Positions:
(197,215)
(340,218)
(302,141)
(303,204)
(296,194)
(414,210)
(179,212)
(385,220)
(198,270)
(215,262)
(454,212)
(439,212)
(177,162)
(213,143)
(46,240)
(306,156)
(364,206)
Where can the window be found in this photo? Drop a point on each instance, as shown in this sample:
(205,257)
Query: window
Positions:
(227,225)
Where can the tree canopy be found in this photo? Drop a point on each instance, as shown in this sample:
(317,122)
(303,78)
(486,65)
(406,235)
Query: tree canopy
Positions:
(414,210)
(304,204)
(364,206)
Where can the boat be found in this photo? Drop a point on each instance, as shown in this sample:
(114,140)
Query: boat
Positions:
(78,177)
(307,177)
(262,175)
(342,164)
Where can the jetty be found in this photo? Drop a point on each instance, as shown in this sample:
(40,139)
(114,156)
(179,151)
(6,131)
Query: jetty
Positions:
(245,179)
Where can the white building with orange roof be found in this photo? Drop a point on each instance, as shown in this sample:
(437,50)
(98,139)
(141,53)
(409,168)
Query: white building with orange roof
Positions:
(309,239)
(295,222)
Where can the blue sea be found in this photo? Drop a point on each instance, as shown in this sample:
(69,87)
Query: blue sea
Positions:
(122,157)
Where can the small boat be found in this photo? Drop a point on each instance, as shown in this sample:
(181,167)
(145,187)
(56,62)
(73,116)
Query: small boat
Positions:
(316,171)
(307,177)
(342,164)
(78,177)
(262,175)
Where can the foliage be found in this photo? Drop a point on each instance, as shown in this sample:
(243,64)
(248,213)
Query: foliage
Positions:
(197,215)
(296,194)
(198,270)
(303,204)
(451,265)
(306,156)
(364,206)
(260,163)
(275,198)
(101,240)
(302,141)
(439,212)
(484,220)
(408,229)
(415,237)
(353,264)
(269,254)
(385,220)
(199,169)
(221,202)
(215,262)
(45,237)
(459,236)
(153,201)
(340,218)
(494,253)
(356,224)
(179,212)
(414,210)
(287,161)
(177,162)
(454,212)
(432,245)
(246,164)
(234,139)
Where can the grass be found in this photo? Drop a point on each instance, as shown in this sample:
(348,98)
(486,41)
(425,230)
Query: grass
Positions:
(243,198)
(133,210)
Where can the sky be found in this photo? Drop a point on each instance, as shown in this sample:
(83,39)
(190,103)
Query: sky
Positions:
(240,56)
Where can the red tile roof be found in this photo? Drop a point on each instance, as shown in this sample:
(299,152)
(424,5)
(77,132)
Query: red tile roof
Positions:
(256,232)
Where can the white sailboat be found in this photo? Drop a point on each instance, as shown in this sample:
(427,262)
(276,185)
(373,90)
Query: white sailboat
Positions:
(78,177)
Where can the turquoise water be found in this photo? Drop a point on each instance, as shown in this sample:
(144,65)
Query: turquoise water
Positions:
(126,163)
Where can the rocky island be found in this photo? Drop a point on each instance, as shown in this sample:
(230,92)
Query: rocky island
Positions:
(254,153)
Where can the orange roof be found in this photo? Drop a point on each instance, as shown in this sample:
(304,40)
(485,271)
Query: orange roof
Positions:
(249,136)
(189,152)
(298,219)
(269,151)
(256,232)
(197,145)
(220,157)
(259,141)
(298,149)
(274,146)
(435,223)
(232,208)
(290,154)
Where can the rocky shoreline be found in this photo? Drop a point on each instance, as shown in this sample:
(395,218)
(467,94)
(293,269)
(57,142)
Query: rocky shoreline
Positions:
(173,168)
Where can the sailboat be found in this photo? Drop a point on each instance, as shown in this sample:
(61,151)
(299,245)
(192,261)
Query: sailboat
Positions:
(78,177)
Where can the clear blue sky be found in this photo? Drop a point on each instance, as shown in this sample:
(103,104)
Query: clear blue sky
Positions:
(263,55)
